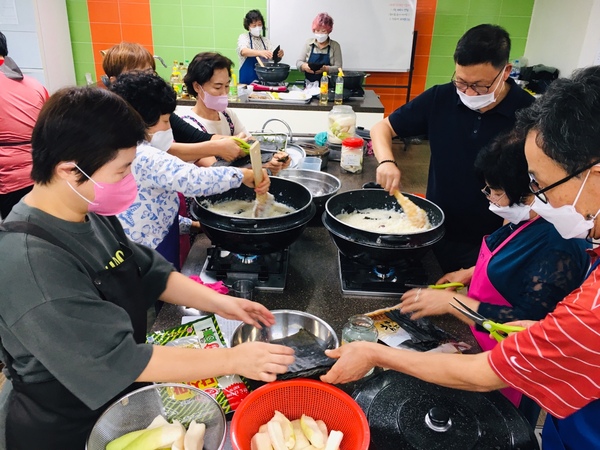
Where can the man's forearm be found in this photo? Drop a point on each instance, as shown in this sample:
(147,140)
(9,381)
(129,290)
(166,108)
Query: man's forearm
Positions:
(381,136)
(467,372)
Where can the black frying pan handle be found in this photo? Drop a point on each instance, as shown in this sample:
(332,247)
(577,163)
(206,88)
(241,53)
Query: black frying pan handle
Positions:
(394,240)
(243,222)
(372,185)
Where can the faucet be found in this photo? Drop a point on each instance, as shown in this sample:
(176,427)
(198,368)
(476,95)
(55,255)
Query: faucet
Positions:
(283,122)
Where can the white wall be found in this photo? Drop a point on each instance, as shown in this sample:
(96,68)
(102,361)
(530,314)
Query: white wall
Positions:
(40,42)
(564,34)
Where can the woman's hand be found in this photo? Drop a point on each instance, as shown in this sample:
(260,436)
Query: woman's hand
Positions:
(460,276)
(306,68)
(266,54)
(228,149)
(279,161)
(425,302)
(248,180)
(247,311)
(521,323)
(353,362)
(280,53)
(261,361)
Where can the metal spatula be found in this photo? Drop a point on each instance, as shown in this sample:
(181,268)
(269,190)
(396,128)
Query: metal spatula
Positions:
(264,203)
(416,215)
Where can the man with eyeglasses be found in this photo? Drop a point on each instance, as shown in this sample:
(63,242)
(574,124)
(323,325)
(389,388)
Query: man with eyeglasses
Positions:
(459,118)
(556,361)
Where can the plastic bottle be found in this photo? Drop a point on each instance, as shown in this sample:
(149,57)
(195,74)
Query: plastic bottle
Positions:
(339,88)
(175,79)
(182,69)
(324,93)
(516,69)
(233,90)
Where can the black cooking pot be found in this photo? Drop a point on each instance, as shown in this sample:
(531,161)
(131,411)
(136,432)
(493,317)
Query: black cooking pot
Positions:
(256,236)
(271,72)
(410,414)
(352,80)
(371,248)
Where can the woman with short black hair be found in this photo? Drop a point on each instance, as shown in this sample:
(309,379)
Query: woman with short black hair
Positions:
(252,45)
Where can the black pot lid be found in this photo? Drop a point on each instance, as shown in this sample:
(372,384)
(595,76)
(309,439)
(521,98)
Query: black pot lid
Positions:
(410,414)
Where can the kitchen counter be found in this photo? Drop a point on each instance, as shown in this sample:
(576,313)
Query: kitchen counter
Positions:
(309,118)
(313,283)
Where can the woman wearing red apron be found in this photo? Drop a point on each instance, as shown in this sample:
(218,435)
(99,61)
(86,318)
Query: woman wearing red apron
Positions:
(524,268)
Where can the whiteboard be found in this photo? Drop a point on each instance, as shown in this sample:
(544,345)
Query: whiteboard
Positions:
(374,35)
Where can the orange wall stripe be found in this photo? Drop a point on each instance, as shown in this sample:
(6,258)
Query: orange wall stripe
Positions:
(114,21)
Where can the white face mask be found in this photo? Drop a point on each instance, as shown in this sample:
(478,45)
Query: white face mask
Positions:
(568,222)
(476,102)
(321,37)
(162,140)
(255,31)
(516,213)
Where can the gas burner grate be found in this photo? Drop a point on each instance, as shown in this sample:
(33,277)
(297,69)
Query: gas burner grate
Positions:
(267,271)
(380,281)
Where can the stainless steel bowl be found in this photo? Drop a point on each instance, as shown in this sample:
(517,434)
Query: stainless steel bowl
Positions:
(320,184)
(287,323)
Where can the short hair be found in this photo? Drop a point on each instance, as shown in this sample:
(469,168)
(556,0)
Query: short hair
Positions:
(483,44)
(148,93)
(323,20)
(126,56)
(502,165)
(86,125)
(252,16)
(3,45)
(203,67)
(567,120)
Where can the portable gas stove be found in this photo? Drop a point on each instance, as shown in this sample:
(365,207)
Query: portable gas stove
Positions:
(379,281)
(268,272)
(279,86)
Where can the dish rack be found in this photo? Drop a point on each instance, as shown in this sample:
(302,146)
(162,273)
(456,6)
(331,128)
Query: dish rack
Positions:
(271,141)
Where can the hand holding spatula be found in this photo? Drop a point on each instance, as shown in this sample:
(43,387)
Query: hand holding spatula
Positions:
(264,203)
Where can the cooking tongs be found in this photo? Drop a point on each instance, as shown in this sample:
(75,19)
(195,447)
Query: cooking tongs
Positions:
(497,330)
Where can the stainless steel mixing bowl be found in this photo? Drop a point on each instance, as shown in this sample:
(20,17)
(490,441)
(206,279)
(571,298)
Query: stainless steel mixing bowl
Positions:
(287,323)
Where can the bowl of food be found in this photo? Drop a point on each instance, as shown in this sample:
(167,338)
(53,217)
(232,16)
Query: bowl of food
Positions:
(161,415)
(307,334)
(309,412)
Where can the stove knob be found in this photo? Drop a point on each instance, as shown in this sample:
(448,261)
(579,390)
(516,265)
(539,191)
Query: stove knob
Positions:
(438,419)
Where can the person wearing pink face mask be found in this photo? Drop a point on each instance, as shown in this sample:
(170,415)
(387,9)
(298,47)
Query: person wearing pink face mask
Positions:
(75,289)
(207,79)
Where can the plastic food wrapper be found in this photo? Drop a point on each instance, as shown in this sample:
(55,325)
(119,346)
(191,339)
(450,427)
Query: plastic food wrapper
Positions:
(204,333)
(219,286)
(310,355)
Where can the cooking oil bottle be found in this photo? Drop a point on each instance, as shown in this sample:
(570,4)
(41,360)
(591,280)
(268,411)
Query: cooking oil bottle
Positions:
(324,89)
(339,88)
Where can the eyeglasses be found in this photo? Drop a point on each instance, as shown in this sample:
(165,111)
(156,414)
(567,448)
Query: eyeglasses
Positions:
(479,90)
(535,189)
(487,191)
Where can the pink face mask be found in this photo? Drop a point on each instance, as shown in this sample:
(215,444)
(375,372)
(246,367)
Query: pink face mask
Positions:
(110,198)
(216,102)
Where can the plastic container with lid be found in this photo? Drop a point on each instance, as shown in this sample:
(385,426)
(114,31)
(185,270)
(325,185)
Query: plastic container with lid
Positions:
(352,154)
(359,328)
(342,124)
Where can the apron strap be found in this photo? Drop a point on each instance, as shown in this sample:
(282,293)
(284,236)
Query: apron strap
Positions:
(230,122)
(196,121)
(39,232)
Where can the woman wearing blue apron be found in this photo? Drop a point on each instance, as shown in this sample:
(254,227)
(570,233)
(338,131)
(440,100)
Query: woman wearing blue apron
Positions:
(320,53)
(253,45)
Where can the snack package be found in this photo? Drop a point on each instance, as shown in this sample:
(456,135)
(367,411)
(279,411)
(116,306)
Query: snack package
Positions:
(204,333)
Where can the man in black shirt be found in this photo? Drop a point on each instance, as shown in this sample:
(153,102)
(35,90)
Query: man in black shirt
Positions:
(459,118)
